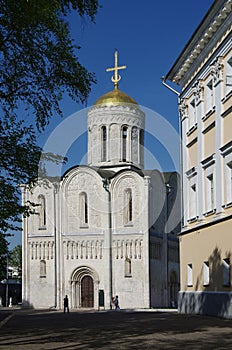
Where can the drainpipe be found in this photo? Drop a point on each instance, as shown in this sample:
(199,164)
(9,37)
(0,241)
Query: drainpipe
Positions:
(106,186)
(163,79)
(169,87)
(181,152)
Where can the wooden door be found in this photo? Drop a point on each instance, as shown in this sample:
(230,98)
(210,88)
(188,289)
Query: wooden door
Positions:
(87,291)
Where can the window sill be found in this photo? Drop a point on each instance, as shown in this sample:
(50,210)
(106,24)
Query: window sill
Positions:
(228,205)
(227,96)
(191,130)
(42,228)
(128,276)
(84,226)
(210,212)
(209,113)
(129,224)
(192,220)
(43,276)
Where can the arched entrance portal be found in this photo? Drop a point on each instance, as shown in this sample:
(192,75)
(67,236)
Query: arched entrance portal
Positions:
(84,288)
(87,297)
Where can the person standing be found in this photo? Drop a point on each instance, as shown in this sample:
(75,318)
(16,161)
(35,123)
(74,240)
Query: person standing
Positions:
(116,303)
(66,307)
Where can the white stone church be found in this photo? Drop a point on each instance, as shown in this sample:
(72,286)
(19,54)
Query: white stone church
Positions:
(100,230)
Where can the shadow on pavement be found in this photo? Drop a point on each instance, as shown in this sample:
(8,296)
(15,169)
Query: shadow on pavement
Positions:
(114,330)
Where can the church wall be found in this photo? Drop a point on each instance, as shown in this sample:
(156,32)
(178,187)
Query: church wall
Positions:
(128,270)
(89,246)
(41,288)
(47,191)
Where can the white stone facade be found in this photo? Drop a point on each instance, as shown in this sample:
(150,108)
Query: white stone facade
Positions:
(99,231)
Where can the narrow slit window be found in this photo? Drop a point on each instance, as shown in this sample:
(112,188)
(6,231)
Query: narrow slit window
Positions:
(128,267)
(42,268)
(42,211)
(104,143)
(84,209)
(124,143)
(129,206)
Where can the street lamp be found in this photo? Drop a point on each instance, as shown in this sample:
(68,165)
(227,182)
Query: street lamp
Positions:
(106,186)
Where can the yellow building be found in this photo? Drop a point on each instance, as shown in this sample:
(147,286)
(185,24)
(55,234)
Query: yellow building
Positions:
(204,72)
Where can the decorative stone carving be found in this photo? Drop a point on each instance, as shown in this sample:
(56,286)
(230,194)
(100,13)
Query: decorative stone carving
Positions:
(183,109)
(217,71)
(199,91)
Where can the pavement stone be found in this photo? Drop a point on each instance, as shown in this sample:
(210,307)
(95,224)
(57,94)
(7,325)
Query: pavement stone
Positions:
(124,329)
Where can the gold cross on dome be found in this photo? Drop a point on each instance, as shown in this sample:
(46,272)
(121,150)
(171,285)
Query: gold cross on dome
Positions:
(116,77)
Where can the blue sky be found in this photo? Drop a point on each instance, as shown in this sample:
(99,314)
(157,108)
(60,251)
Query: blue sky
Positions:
(149,36)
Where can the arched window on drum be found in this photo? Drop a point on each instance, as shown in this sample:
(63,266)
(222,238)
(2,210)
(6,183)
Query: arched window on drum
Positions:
(104,143)
(124,143)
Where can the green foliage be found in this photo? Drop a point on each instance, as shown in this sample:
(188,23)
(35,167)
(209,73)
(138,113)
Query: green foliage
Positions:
(15,257)
(38,63)
(3,256)
(38,60)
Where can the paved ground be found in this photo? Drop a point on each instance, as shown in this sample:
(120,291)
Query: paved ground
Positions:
(54,330)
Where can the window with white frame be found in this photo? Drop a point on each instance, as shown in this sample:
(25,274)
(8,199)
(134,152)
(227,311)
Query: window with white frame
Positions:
(192,194)
(226,152)
(190,275)
(206,273)
(226,272)
(209,201)
(228,75)
(228,183)
(209,193)
(193,201)
(192,113)
(209,96)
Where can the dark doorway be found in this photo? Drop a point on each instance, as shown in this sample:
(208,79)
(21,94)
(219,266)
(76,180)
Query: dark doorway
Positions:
(87,291)
(173,289)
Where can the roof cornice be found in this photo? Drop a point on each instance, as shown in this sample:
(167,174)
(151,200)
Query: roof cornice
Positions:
(216,24)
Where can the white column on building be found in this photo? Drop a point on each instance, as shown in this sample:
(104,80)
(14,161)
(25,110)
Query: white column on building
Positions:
(129,140)
(200,150)
(184,124)
(146,242)
(219,186)
(108,243)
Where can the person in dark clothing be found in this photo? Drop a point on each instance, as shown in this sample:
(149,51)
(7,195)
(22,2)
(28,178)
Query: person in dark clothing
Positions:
(66,307)
(116,303)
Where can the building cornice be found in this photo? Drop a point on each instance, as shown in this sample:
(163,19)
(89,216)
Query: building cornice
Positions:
(215,26)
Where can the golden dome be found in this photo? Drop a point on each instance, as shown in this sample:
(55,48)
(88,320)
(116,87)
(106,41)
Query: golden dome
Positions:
(115,98)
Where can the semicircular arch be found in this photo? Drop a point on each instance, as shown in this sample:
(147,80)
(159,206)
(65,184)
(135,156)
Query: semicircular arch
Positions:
(82,271)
